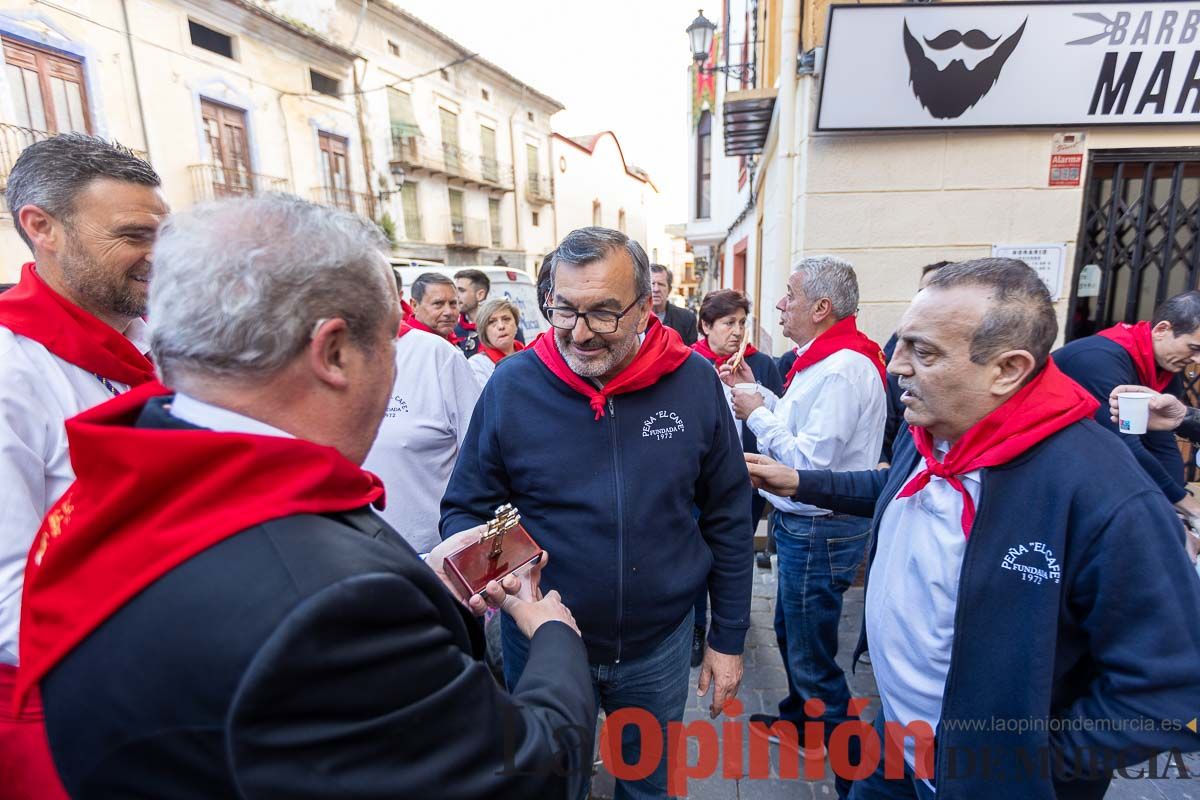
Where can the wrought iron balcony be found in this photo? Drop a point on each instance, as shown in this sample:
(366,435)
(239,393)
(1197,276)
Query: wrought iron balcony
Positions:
(418,154)
(345,199)
(215,181)
(13,141)
(539,188)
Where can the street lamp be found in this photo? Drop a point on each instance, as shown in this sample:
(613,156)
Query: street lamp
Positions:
(700,34)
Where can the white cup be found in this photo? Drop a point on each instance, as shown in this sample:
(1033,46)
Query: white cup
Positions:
(746,387)
(1133,411)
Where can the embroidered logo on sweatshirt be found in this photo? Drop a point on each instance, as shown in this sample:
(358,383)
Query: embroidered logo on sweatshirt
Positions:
(1034,562)
(396,407)
(662,425)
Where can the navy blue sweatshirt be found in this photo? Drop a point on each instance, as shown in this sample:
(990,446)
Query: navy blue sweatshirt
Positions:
(1101,365)
(611,500)
(1111,638)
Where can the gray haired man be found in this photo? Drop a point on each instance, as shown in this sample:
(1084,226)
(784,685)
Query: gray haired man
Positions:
(831,416)
(300,647)
(71,336)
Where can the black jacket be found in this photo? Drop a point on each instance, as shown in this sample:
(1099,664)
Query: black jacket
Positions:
(311,657)
(683,321)
(1094,658)
(895,409)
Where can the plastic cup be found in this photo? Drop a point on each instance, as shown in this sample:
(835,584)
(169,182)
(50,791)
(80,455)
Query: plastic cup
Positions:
(1133,412)
(746,387)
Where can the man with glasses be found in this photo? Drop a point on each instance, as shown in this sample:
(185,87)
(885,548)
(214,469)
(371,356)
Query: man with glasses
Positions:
(633,433)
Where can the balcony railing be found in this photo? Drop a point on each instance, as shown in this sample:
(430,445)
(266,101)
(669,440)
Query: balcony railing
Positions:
(468,232)
(539,189)
(214,181)
(13,141)
(345,199)
(419,153)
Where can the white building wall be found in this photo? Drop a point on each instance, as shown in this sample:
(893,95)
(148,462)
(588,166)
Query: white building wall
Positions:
(598,176)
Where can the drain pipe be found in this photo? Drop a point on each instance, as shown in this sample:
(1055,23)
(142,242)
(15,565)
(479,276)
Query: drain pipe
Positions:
(137,84)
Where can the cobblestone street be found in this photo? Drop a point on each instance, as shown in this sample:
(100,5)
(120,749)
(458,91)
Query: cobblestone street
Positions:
(765,682)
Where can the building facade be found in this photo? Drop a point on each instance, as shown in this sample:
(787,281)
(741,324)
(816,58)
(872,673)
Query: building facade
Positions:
(226,98)
(460,149)
(596,186)
(1087,168)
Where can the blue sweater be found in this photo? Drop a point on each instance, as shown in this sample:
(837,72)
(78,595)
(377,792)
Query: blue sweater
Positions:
(1100,365)
(611,500)
(1113,637)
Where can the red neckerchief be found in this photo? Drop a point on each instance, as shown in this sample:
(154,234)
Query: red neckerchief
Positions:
(35,311)
(404,328)
(1138,341)
(495,355)
(465,323)
(844,335)
(701,347)
(661,353)
(146,500)
(411,320)
(1043,407)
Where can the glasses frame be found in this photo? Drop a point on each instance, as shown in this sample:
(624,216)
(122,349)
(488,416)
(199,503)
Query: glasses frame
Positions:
(620,315)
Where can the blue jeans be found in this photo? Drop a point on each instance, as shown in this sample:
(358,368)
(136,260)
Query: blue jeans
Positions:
(878,787)
(657,682)
(818,557)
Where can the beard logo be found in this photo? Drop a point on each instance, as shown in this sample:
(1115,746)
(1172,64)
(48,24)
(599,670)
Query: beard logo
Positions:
(948,92)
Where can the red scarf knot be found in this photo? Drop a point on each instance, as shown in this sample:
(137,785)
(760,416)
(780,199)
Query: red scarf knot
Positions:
(661,353)
(465,323)
(1138,341)
(1041,408)
(34,310)
(844,335)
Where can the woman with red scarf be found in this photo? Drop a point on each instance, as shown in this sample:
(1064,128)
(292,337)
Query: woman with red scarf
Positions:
(497,323)
(724,316)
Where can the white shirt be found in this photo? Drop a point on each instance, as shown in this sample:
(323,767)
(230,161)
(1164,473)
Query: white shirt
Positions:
(831,417)
(482,367)
(912,594)
(222,420)
(38,393)
(422,432)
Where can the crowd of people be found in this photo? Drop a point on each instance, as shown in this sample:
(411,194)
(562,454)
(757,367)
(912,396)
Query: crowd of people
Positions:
(237,465)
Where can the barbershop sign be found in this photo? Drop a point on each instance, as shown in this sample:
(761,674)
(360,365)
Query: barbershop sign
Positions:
(963,65)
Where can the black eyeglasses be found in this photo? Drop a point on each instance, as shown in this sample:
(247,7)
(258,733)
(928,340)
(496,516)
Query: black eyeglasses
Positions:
(599,321)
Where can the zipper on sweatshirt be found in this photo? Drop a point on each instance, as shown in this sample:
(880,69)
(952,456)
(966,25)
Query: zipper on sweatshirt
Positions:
(617,484)
(951,674)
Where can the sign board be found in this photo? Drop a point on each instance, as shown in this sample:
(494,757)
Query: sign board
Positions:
(1066,169)
(1046,260)
(1089,281)
(962,65)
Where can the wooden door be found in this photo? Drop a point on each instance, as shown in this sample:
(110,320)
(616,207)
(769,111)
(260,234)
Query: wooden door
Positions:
(228,149)
(47,89)
(335,170)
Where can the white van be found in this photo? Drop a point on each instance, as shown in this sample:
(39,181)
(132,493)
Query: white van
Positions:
(515,285)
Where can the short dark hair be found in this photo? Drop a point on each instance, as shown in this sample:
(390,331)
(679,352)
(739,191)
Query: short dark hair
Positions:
(665,271)
(1022,314)
(51,173)
(476,276)
(427,279)
(585,245)
(1182,311)
(928,268)
(399,279)
(544,282)
(722,303)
